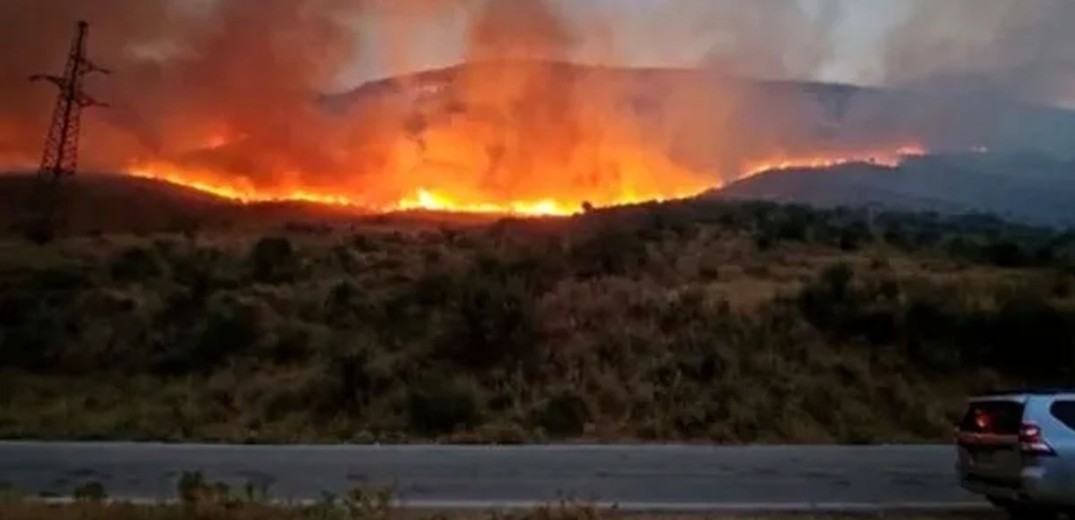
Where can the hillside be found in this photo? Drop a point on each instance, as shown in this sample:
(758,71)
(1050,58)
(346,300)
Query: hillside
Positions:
(1025,176)
(110,204)
(814,115)
(692,321)
(1022,188)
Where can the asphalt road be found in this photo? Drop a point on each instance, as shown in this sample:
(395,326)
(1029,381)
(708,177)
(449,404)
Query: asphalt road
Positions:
(658,478)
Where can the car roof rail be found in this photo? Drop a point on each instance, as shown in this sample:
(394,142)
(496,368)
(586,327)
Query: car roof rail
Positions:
(1028,391)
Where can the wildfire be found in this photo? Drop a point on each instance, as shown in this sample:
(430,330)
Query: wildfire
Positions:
(882,157)
(445,199)
(432,201)
(422,199)
(235,190)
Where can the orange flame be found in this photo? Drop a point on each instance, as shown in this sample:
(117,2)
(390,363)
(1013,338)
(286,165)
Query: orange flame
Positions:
(443,199)
(881,157)
(642,182)
(236,190)
(432,201)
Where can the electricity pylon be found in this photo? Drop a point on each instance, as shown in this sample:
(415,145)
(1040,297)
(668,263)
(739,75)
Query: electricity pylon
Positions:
(60,156)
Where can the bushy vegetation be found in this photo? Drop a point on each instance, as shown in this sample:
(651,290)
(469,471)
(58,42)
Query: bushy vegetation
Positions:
(702,321)
(253,511)
(200,499)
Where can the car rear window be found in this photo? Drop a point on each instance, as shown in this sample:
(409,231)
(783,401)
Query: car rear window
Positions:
(1064,411)
(995,417)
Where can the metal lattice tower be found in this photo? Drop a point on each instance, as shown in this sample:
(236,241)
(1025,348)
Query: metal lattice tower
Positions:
(60,156)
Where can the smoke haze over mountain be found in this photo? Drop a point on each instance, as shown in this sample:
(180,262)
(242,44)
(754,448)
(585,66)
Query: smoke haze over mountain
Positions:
(195,75)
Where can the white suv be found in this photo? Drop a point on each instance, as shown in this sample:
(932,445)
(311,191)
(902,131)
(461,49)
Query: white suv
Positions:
(1017,449)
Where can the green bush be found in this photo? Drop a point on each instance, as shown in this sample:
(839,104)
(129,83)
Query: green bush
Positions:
(659,318)
(564,415)
(274,260)
(230,326)
(1029,336)
(828,302)
(614,251)
(136,264)
(90,492)
(349,378)
(440,405)
(1006,253)
(494,323)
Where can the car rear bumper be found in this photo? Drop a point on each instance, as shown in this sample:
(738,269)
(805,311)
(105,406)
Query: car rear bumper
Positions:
(993,490)
(1034,486)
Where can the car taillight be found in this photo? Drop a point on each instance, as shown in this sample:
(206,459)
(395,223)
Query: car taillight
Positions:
(1032,442)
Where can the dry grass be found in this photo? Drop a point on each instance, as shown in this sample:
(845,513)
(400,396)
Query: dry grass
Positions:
(671,332)
(38,511)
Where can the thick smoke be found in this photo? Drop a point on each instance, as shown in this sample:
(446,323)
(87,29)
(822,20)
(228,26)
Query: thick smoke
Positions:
(971,59)
(523,125)
(233,89)
(769,38)
(35,36)
(1024,48)
(189,73)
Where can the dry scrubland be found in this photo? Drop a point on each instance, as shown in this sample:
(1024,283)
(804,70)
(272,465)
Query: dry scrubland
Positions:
(23,511)
(199,499)
(699,321)
(202,500)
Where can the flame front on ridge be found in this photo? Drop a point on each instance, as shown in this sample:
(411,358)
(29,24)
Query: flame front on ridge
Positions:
(433,199)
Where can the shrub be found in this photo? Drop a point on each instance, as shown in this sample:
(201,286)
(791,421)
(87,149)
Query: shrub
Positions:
(788,228)
(1031,337)
(346,304)
(1007,254)
(235,325)
(434,289)
(231,325)
(193,488)
(849,240)
(613,251)
(90,492)
(826,302)
(930,332)
(274,260)
(350,375)
(564,415)
(440,405)
(34,329)
(137,264)
(494,323)
(763,240)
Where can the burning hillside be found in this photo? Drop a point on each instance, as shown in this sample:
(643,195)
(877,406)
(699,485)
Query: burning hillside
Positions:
(221,96)
(524,137)
(503,138)
(629,176)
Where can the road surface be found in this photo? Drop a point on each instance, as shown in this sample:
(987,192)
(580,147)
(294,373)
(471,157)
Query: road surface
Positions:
(656,478)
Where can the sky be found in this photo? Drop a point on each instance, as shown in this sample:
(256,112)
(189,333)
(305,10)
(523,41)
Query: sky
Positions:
(857,33)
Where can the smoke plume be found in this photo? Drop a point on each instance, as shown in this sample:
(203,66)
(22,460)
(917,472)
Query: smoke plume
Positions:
(231,93)
(236,70)
(1025,48)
